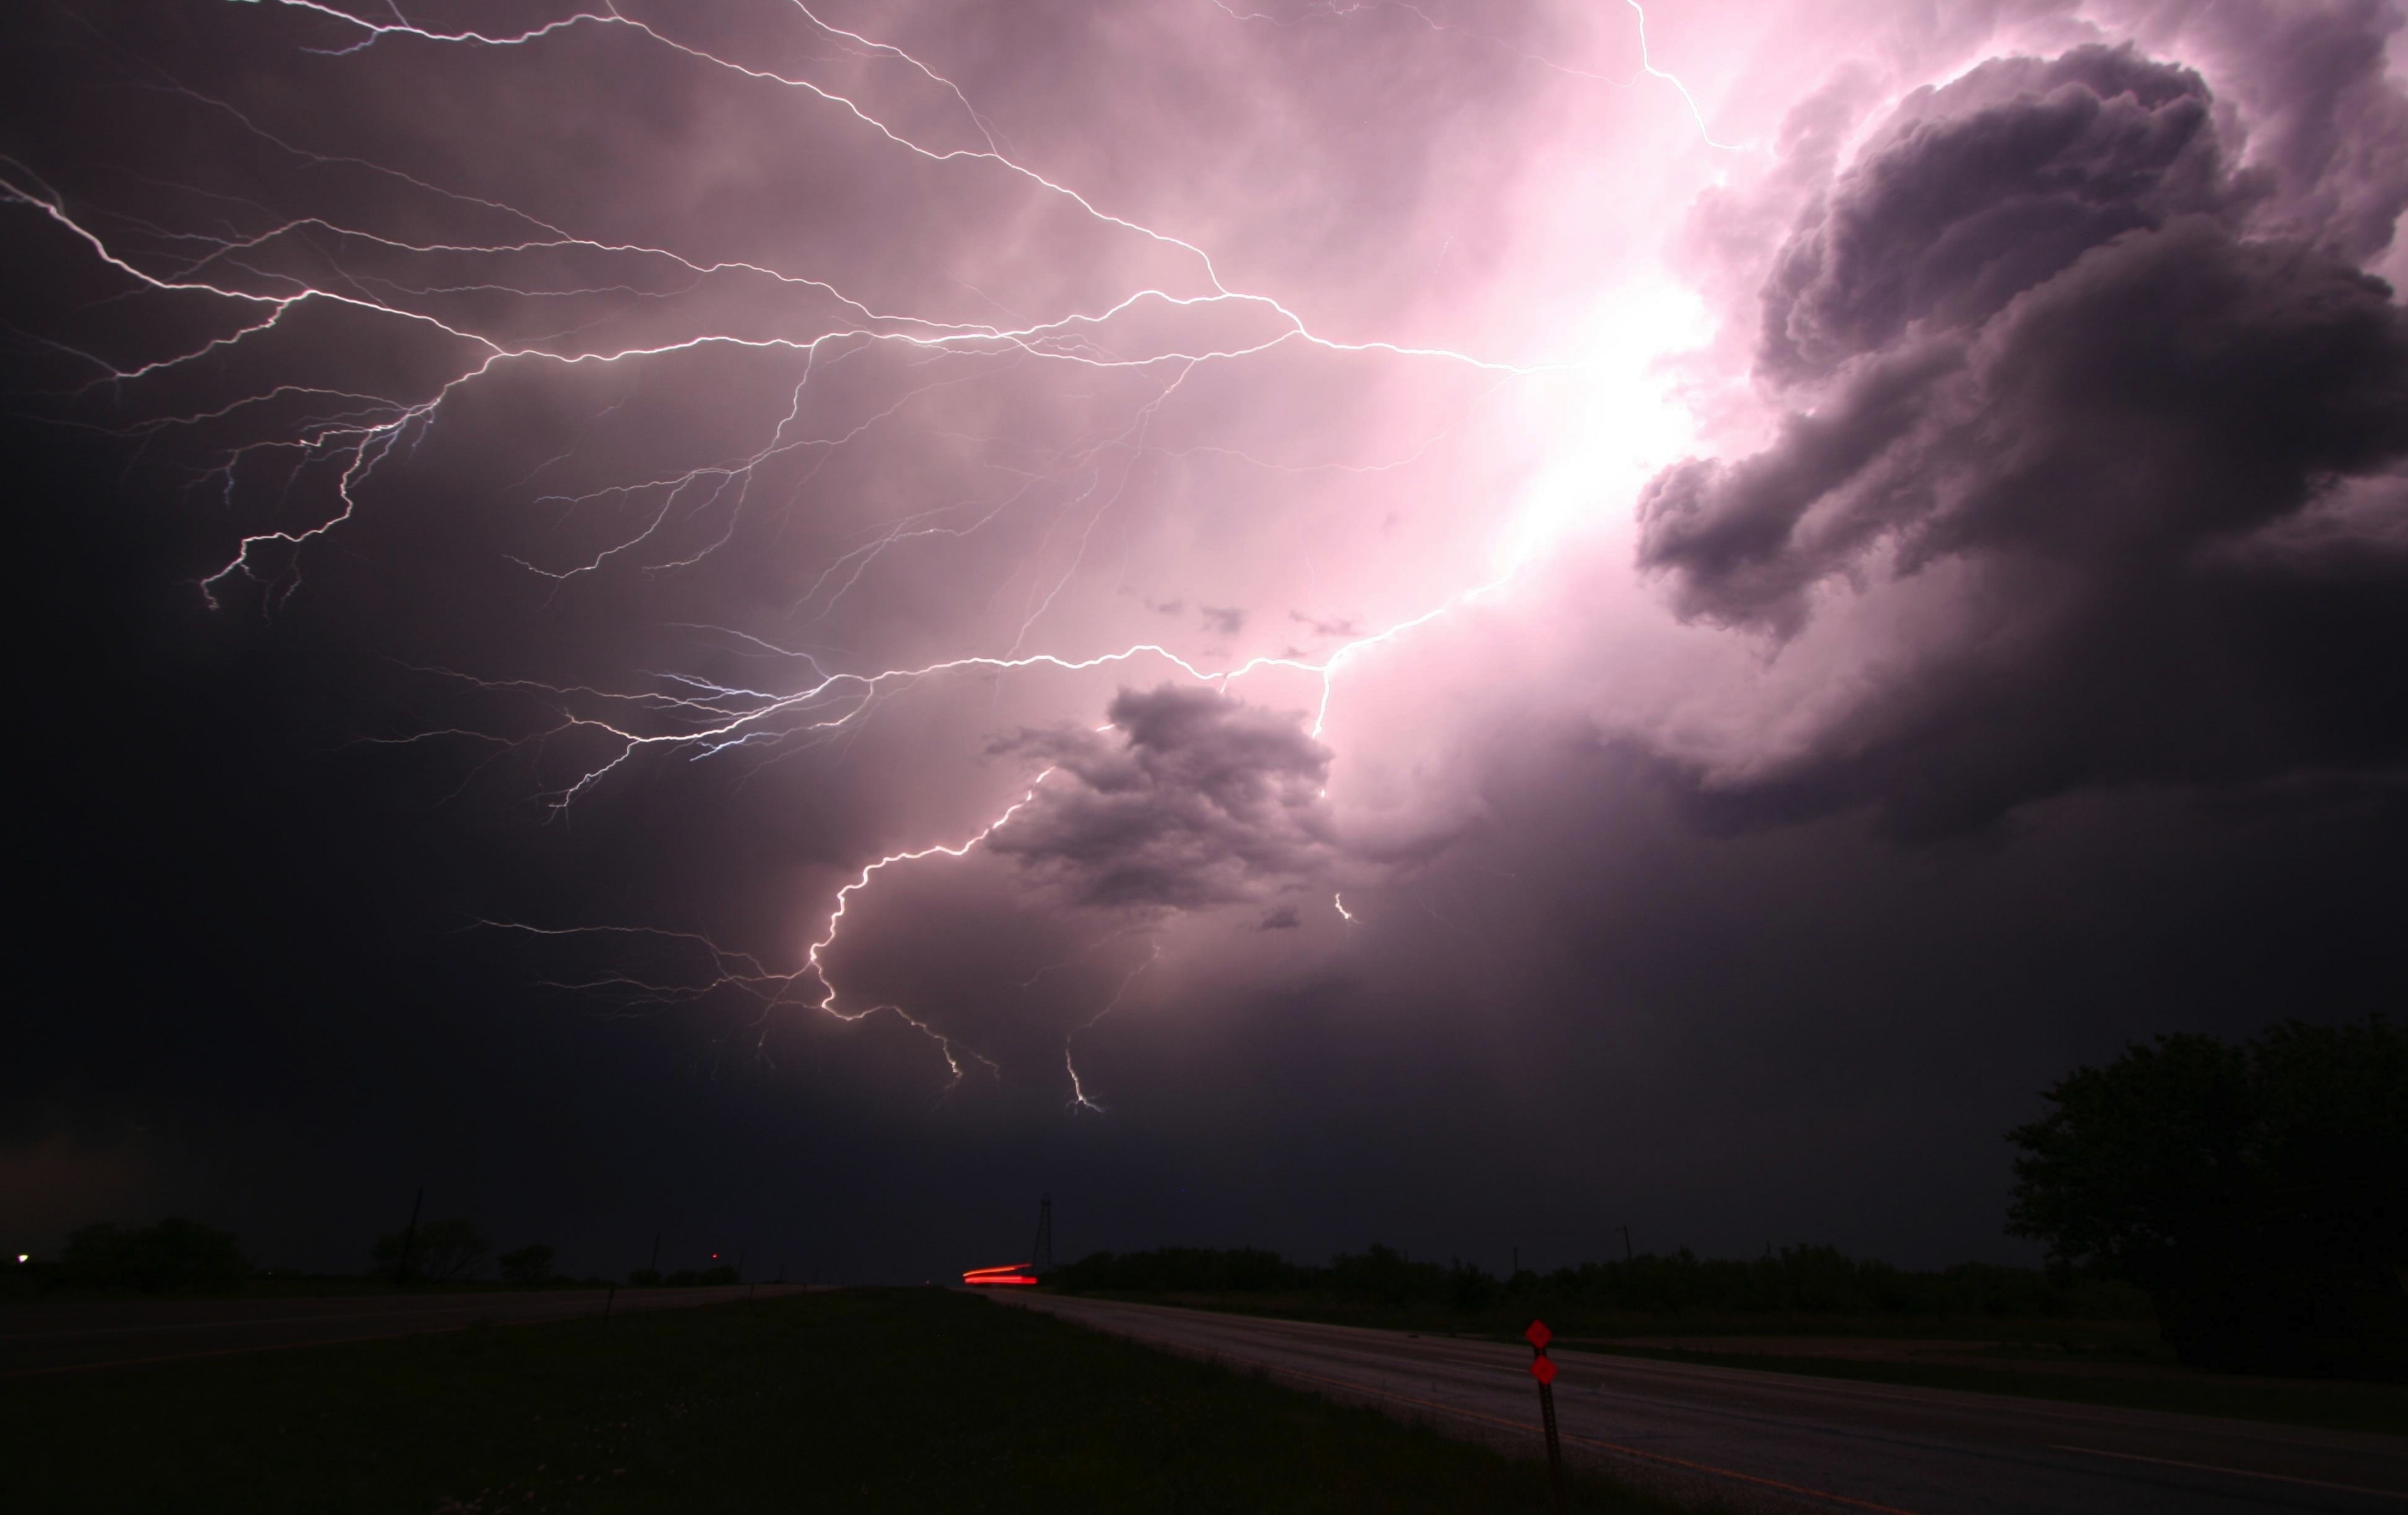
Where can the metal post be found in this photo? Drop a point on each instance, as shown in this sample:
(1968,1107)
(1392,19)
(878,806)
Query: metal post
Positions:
(409,1240)
(609,1300)
(1543,1369)
(1555,1445)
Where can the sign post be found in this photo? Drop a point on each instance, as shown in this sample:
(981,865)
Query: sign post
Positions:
(1543,1369)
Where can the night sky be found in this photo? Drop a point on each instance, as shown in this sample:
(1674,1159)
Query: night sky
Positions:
(786,626)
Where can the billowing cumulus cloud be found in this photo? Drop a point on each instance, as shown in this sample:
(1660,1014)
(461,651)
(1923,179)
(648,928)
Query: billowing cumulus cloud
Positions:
(1190,799)
(2049,336)
(1981,189)
(2326,124)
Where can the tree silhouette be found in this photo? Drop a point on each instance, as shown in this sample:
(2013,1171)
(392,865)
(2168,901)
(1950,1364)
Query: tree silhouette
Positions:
(529,1264)
(442,1251)
(2259,1191)
(175,1253)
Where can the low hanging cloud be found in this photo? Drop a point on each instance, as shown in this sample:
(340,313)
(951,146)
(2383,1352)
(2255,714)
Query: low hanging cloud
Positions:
(1188,800)
(2053,335)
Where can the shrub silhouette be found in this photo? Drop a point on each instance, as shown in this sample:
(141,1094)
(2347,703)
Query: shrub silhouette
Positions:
(439,1252)
(174,1254)
(529,1264)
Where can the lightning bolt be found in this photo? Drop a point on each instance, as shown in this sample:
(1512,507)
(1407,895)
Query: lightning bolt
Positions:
(1647,64)
(844,896)
(1078,1100)
(349,436)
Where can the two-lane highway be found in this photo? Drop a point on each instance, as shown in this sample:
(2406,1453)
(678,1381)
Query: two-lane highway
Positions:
(1777,1440)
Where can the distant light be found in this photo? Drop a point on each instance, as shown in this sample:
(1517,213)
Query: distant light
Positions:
(24,1257)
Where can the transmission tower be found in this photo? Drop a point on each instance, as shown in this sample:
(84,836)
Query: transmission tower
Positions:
(1041,1253)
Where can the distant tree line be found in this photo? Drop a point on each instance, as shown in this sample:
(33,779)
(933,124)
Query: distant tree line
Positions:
(181,1256)
(452,1250)
(439,1251)
(1794,1280)
(2252,1197)
(646,1277)
(174,1255)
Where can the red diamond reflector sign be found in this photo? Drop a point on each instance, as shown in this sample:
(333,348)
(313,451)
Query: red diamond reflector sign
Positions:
(1539,1335)
(1542,1367)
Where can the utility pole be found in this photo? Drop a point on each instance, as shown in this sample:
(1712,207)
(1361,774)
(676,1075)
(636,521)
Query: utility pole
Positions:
(1040,1253)
(655,1265)
(1625,1244)
(409,1240)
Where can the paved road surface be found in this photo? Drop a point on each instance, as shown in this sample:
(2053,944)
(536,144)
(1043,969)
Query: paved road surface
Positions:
(1784,1441)
(52,1338)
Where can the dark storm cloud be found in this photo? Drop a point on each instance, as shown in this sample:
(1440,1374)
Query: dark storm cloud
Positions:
(1203,801)
(2042,338)
(1326,628)
(1223,619)
(1981,191)
(2324,118)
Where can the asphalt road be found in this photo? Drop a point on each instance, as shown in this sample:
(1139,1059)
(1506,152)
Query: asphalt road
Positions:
(1784,1442)
(56,1338)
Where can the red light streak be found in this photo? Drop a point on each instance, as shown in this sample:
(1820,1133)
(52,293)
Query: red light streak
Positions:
(1008,1273)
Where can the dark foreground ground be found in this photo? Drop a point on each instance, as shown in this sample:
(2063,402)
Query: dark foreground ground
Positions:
(860,1400)
(54,1337)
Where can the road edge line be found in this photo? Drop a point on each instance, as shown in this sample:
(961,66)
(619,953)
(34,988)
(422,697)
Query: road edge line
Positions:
(2236,1472)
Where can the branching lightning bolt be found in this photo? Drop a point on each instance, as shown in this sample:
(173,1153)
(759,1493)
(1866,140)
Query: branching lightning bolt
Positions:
(359,433)
(1079,1099)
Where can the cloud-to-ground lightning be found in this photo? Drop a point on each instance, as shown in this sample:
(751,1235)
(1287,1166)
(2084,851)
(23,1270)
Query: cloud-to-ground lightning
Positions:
(349,436)
(1079,1099)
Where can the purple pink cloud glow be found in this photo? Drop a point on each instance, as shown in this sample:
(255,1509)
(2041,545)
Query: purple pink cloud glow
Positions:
(1114,470)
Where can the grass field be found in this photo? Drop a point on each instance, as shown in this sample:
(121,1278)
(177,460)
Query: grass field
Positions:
(858,1400)
(2337,1405)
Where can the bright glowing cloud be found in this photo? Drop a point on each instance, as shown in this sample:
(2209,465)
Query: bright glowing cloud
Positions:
(1117,481)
